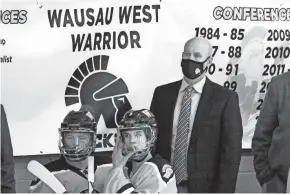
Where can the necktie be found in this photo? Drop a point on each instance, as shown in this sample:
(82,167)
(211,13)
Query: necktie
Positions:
(179,160)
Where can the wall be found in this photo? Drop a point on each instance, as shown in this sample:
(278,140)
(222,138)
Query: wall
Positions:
(247,182)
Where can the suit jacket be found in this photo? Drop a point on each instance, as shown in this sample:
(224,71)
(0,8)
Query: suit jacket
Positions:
(271,141)
(7,161)
(214,151)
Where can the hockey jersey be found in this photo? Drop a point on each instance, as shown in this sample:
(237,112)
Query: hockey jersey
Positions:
(154,176)
(73,179)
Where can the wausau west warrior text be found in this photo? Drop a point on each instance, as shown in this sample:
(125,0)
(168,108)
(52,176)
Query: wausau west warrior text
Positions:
(104,16)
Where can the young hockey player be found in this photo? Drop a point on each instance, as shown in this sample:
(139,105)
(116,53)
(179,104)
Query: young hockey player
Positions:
(134,168)
(77,141)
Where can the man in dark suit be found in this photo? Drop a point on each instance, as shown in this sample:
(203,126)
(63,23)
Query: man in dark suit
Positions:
(200,126)
(7,161)
(271,141)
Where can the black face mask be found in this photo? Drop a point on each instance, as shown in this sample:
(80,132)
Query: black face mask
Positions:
(192,69)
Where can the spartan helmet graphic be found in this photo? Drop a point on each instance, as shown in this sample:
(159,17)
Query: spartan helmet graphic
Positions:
(92,84)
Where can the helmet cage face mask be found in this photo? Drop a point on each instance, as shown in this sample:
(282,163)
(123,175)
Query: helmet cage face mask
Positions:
(76,153)
(143,148)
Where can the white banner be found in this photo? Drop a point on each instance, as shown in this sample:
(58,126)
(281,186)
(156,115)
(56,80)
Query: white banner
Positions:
(58,55)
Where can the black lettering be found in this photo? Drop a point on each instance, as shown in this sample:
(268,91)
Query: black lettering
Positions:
(22,16)
(146,12)
(6,59)
(67,19)
(135,38)
(156,7)
(99,137)
(97,41)
(123,46)
(88,44)
(114,40)
(106,140)
(82,22)
(136,13)
(106,40)
(54,18)
(91,18)
(100,17)
(123,13)
(109,20)
(2,41)
(77,42)
(14,16)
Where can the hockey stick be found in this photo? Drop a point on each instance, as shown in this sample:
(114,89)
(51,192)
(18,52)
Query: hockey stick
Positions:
(91,173)
(45,176)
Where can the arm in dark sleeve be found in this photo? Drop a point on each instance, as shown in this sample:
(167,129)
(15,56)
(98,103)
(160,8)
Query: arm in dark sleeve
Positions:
(153,109)
(7,161)
(262,138)
(231,146)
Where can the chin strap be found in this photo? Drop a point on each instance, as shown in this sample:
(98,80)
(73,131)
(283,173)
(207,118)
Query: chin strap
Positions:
(76,159)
